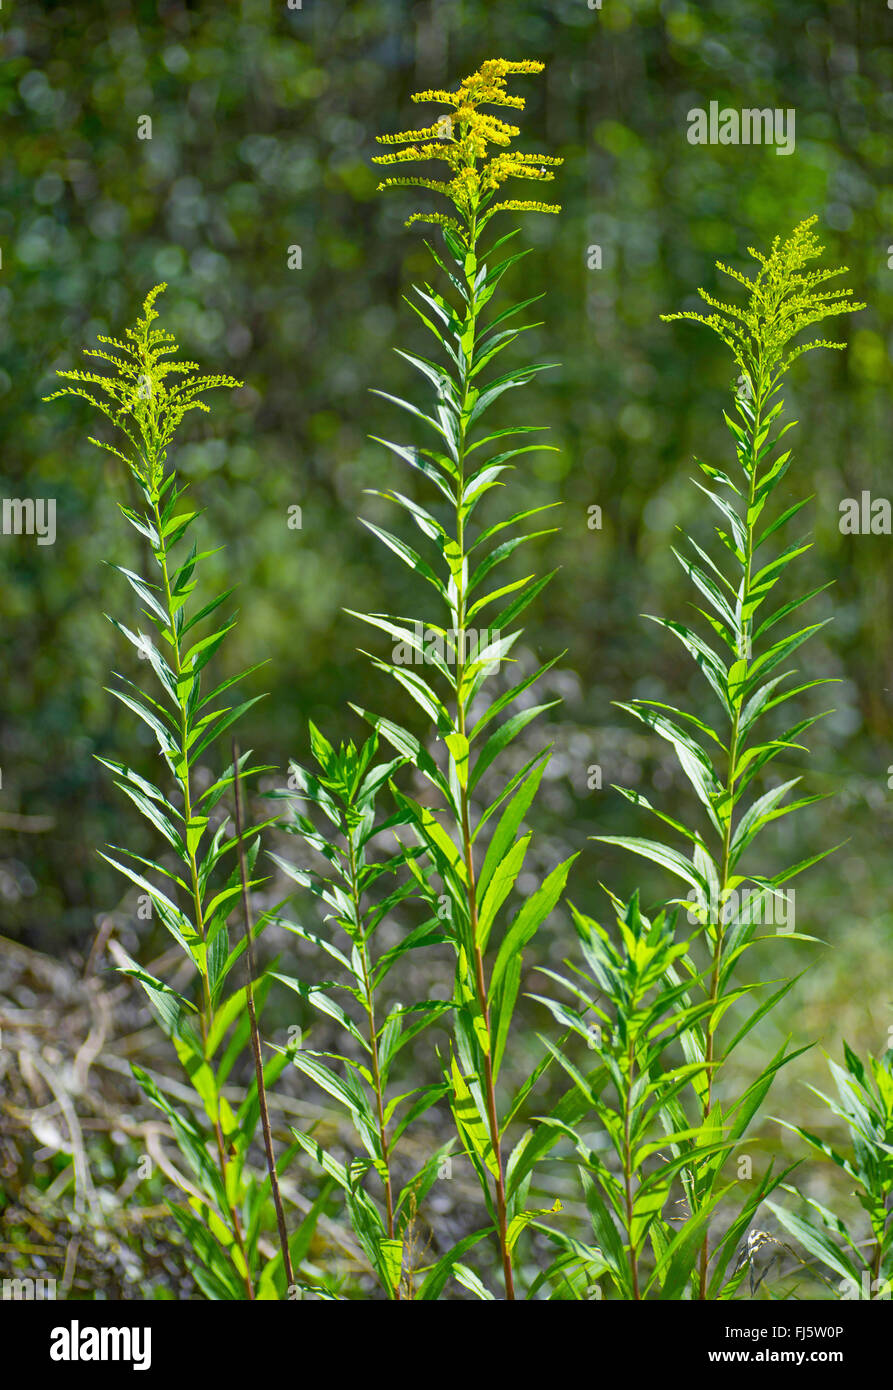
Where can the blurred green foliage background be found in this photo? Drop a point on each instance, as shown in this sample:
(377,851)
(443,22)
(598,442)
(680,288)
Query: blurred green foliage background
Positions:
(263,124)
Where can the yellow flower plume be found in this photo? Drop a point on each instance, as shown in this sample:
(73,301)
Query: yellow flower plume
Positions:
(460,138)
(783,298)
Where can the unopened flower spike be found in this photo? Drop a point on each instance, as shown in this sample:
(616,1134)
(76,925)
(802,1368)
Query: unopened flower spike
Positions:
(460,139)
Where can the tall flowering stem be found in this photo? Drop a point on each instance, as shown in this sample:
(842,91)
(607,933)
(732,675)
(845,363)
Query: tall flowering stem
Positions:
(145,395)
(457,655)
(723,765)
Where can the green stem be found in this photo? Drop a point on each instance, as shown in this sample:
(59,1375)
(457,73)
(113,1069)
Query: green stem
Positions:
(369,1005)
(627,1168)
(479,979)
(207,1012)
(744,653)
(250,977)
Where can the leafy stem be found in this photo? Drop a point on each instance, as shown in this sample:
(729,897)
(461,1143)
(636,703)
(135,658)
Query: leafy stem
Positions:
(783,298)
(743,640)
(628,1161)
(250,979)
(369,1005)
(183,775)
(469,339)
(485,997)
(145,396)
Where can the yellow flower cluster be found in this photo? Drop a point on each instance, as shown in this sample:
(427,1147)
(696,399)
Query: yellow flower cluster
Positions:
(782,300)
(141,402)
(460,139)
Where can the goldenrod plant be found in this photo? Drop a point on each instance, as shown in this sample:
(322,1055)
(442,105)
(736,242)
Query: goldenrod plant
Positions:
(657,1009)
(145,395)
(343,795)
(627,1092)
(740,658)
(633,1011)
(859,1264)
(445,661)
